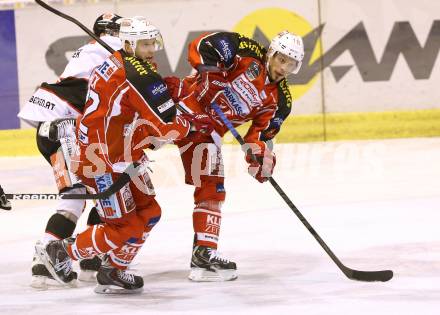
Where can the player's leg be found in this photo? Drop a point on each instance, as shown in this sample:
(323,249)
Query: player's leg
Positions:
(121,223)
(89,267)
(114,266)
(203,166)
(128,217)
(62,223)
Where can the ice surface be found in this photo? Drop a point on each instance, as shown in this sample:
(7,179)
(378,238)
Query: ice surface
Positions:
(375,203)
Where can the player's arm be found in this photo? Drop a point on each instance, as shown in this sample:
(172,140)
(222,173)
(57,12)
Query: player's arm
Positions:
(260,122)
(262,167)
(217,49)
(151,98)
(284,108)
(212,55)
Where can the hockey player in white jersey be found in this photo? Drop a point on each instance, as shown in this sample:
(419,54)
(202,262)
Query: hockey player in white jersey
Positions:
(66,99)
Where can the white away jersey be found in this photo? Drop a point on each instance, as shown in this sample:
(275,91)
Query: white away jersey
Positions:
(66,98)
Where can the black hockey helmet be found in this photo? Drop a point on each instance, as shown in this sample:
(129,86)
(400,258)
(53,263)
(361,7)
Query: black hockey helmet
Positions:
(106,23)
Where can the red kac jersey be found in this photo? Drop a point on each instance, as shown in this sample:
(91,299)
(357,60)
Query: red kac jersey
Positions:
(251,95)
(128,109)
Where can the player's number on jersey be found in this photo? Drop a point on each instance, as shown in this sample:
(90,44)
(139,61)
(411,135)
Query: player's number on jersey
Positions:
(95,102)
(90,109)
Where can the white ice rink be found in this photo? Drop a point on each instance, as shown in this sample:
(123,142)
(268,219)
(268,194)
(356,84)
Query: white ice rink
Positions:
(375,203)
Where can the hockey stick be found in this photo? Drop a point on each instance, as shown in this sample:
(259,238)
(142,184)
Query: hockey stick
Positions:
(116,186)
(75,21)
(122,180)
(383,275)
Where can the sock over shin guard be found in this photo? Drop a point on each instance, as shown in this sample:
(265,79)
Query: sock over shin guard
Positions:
(59,226)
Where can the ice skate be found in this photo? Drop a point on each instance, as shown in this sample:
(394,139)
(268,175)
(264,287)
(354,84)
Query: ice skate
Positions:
(40,275)
(89,268)
(57,261)
(116,281)
(207,265)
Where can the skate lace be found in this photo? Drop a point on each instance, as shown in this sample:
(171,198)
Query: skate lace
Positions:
(214,254)
(65,265)
(125,276)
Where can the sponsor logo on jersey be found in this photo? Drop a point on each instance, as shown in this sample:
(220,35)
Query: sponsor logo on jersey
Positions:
(42,102)
(252,46)
(107,69)
(226,51)
(286,92)
(253,71)
(238,107)
(77,53)
(141,70)
(167,105)
(220,84)
(109,206)
(152,222)
(116,61)
(157,89)
(220,188)
(213,224)
(128,199)
(247,91)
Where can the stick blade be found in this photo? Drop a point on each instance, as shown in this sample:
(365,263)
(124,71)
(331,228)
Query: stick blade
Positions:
(369,276)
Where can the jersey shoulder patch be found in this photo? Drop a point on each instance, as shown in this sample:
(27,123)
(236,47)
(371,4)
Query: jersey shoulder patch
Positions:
(251,48)
(219,47)
(151,87)
(108,68)
(284,98)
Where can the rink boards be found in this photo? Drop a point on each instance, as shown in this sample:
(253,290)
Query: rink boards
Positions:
(372,73)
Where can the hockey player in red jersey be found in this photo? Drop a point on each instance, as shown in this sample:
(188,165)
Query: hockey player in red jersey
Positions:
(66,99)
(248,83)
(128,103)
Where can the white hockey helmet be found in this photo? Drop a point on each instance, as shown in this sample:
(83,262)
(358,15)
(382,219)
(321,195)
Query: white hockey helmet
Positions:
(290,45)
(138,28)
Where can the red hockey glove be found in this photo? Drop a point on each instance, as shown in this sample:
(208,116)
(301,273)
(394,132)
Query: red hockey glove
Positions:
(261,169)
(210,85)
(174,86)
(199,122)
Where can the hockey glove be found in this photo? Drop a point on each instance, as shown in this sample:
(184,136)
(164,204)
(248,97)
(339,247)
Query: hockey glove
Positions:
(57,129)
(174,86)
(261,168)
(199,122)
(4,203)
(211,83)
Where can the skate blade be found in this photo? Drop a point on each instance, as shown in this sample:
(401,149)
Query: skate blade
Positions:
(45,260)
(113,289)
(39,282)
(87,276)
(203,275)
(44,283)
